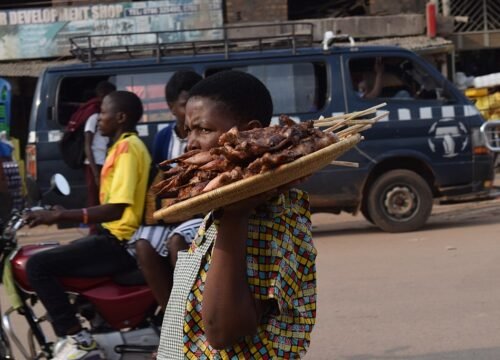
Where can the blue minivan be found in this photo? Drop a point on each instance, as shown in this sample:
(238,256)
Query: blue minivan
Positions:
(429,149)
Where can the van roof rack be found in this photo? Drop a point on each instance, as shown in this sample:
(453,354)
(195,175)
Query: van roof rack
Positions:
(160,44)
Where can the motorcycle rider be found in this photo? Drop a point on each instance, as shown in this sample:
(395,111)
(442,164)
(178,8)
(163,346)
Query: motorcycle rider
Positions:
(124,179)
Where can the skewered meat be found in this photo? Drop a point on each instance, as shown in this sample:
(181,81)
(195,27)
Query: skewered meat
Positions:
(224,179)
(285,120)
(241,154)
(258,141)
(200,158)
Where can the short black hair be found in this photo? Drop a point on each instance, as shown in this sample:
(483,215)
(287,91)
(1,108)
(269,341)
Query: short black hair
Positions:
(182,80)
(128,103)
(103,88)
(243,95)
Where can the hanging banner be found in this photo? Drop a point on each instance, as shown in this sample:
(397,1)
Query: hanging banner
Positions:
(44,32)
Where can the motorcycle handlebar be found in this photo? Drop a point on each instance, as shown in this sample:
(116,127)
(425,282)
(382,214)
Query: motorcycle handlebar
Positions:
(17,221)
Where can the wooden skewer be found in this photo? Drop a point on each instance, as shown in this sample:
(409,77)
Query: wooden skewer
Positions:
(330,119)
(379,117)
(353,130)
(367,111)
(349,116)
(345,163)
(361,122)
(353,123)
(349,122)
(338,125)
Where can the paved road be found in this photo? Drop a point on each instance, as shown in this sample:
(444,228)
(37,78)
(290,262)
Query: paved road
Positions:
(427,295)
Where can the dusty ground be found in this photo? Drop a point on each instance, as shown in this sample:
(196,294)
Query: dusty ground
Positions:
(431,294)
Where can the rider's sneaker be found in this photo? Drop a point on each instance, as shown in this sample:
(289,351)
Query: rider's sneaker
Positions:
(76,347)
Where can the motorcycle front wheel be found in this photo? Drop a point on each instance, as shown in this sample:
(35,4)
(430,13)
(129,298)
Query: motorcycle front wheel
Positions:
(5,350)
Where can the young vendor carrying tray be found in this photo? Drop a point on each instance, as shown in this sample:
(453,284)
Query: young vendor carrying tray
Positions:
(246,288)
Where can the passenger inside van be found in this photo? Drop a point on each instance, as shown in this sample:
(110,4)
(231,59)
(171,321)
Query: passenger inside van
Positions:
(365,88)
(383,78)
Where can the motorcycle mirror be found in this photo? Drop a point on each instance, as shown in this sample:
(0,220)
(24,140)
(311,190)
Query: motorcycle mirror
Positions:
(59,183)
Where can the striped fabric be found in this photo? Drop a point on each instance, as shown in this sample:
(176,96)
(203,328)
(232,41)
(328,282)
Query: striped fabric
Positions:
(158,235)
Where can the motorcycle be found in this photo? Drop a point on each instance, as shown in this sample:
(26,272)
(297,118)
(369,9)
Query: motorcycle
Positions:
(120,311)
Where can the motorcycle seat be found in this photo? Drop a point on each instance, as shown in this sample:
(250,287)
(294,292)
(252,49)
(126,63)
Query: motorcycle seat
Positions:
(130,278)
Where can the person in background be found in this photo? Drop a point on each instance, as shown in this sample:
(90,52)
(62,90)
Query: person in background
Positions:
(246,288)
(96,146)
(364,90)
(156,244)
(124,181)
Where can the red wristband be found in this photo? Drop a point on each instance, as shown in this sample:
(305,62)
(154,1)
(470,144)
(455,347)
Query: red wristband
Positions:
(85,216)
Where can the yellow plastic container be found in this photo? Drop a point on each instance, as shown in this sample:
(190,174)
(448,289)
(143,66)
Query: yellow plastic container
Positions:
(473,92)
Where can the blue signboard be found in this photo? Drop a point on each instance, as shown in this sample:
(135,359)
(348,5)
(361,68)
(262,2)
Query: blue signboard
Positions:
(5,99)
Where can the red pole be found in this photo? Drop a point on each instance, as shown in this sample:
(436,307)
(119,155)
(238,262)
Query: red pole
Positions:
(430,12)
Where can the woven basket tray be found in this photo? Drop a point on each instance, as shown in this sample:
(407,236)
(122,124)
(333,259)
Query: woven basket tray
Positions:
(242,189)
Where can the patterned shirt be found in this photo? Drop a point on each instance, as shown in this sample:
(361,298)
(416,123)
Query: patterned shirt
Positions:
(280,267)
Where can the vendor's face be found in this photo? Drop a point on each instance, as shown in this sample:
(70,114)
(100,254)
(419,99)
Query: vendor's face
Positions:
(205,122)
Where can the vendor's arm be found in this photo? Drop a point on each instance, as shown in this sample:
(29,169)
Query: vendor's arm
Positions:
(230,310)
(95,214)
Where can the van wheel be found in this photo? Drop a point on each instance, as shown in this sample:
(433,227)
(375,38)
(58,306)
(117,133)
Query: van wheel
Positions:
(399,201)
(364,211)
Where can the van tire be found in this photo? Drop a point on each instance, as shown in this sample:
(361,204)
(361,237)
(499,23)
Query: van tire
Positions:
(399,201)
(364,211)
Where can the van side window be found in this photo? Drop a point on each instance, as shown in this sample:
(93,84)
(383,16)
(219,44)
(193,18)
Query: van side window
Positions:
(73,92)
(150,87)
(394,77)
(295,87)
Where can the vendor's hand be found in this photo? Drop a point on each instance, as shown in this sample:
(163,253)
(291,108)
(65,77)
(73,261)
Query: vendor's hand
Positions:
(45,217)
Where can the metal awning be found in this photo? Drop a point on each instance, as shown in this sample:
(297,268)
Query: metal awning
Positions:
(30,68)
